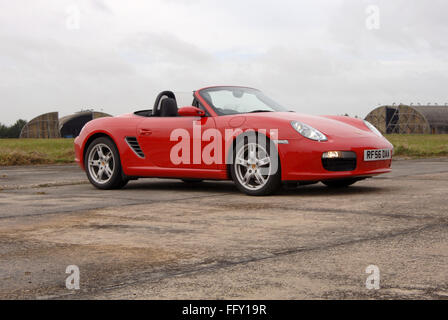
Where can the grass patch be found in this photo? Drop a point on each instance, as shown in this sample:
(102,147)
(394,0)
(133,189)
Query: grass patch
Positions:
(419,145)
(36,151)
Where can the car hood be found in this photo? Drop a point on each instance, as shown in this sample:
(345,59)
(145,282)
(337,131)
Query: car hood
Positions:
(331,126)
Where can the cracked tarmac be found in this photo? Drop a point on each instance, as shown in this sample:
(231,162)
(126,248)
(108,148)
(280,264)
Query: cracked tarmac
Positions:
(164,239)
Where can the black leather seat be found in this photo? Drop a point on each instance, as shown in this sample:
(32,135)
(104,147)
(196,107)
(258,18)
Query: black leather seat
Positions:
(168,108)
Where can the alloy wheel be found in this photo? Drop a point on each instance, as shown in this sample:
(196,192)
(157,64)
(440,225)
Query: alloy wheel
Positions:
(252,166)
(101,163)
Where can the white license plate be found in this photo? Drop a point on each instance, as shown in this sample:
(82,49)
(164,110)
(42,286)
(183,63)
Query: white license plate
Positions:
(377,154)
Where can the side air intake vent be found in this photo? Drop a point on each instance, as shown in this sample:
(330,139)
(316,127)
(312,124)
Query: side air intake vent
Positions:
(133,143)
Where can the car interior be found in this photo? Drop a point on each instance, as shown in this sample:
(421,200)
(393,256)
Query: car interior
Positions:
(165,105)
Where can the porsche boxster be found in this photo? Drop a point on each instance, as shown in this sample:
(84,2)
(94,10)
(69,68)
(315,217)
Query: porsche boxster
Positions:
(230,132)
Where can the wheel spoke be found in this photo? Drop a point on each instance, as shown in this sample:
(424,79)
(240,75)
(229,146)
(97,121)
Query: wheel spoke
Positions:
(252,151)
(241,161)
(95,163)
(259,178)
(108,171)
(99,151)
(100,174)
(108,157)
(247,177)
(264,161)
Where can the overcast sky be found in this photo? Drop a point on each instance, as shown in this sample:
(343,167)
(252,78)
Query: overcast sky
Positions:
(319,56)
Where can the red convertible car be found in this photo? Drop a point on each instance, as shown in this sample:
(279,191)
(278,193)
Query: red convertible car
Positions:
(231,132)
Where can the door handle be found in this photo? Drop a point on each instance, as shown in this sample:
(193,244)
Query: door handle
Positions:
(145,132)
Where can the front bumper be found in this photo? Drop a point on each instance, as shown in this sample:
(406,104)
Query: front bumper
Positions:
(78,152)
(301,159)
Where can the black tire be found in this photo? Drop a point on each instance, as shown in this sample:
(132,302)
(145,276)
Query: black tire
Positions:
(123,184)
(342,183)
(192,180)
(116,179)
(272,180)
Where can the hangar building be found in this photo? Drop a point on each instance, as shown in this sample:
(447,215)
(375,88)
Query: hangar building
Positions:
(410,119)
(49,125)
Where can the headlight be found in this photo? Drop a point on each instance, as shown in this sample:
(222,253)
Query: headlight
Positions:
(308,131)
(372,128)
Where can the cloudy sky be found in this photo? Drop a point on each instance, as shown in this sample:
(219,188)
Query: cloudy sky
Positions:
(316,56)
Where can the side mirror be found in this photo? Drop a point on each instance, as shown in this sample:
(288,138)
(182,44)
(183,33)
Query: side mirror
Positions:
(190,112)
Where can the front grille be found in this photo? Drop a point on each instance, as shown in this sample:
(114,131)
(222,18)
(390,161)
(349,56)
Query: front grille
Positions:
(347,162)
(135,146)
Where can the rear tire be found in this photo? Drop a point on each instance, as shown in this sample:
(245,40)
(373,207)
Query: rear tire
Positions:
(103,165)
(343,183)
(256,166)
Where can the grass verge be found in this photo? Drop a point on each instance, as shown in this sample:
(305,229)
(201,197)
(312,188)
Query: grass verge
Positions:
(419,145)
(36,151)
(48,151)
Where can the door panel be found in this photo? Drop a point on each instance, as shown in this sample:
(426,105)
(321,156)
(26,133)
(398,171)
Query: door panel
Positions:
(154,136)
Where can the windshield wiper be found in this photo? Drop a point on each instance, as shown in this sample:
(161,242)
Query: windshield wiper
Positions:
(261,111)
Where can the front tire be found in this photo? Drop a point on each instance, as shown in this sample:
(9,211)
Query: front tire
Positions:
(103,166)
(256,166)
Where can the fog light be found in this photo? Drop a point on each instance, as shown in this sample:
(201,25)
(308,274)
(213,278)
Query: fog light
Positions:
(332,155)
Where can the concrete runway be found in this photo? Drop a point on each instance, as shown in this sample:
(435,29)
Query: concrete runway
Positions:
(164,239)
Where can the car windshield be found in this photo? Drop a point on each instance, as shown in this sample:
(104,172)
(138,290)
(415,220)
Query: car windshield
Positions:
(236,100)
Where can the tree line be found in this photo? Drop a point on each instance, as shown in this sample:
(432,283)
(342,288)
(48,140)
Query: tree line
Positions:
(12,131)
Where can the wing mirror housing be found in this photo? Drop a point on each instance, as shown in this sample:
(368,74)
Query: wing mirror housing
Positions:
(190,111)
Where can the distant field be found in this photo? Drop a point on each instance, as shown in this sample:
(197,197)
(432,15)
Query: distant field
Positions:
(47,151)
(35,151)
(419,146)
